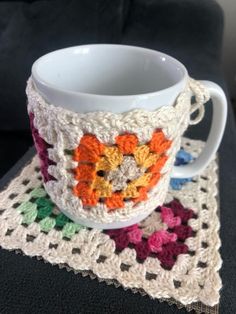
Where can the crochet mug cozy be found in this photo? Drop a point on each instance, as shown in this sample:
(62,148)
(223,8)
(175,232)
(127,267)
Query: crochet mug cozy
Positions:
(106,160)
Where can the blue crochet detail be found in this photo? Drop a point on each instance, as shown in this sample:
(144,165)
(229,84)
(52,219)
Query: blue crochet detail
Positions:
(182,158)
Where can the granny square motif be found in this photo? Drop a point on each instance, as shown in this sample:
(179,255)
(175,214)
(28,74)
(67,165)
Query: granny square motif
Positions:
(172,255)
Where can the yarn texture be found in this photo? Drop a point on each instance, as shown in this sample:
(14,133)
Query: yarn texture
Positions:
(173,254)
(110,167)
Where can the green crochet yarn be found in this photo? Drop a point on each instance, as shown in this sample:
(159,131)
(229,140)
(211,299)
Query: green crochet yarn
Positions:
(38,192)
(44,202)
(70,229)
(26,206)
(44,212)
(40,210)
(61,220)
(29,216)
(47,224)
(44,206)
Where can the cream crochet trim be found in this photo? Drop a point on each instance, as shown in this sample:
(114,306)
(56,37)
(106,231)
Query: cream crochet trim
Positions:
(197,284)
(63,129)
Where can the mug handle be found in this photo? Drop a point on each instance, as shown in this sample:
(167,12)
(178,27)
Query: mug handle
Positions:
(214,138)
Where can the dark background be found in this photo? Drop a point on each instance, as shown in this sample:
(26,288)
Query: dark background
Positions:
(189,30)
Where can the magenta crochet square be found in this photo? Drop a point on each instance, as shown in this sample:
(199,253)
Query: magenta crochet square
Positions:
(165,243)
(42,150)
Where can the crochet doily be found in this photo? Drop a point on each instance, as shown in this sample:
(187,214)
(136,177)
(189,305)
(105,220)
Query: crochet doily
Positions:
(173,255)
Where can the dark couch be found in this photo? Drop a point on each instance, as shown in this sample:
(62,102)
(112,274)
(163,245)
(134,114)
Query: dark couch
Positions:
(191,31)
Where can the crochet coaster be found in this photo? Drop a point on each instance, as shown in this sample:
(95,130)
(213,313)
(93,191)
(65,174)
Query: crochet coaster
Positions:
(173,255)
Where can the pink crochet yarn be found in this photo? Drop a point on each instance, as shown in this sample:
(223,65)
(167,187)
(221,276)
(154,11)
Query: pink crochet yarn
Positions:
(165,245)
(169,253)
(167,216)
(135,236)
(42,150)
(178,209)
(159,238)
(124,236)
(142,250)
(183,232)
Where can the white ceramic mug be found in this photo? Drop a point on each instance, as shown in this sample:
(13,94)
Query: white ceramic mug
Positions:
(116,79)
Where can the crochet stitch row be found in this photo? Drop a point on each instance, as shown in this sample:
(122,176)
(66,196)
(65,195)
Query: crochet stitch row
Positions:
(166,243)
(120,172)
(91,153)
(39,208)
(168,270)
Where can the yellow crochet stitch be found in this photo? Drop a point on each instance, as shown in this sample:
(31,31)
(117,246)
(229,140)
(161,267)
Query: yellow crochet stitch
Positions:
(143,180)
(131,190)
(143,157)
(103,187)
(113,158)
(124,171)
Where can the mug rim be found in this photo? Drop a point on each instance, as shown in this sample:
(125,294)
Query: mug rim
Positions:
(39,81)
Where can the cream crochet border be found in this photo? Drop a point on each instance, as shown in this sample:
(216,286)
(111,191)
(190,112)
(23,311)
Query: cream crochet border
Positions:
(197,284)
(63,129)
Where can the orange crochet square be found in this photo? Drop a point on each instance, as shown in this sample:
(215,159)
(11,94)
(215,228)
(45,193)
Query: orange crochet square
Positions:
(124,171)
(115,201)
(83,154)
(127,143)
(142,195)
(92,200)
(82,189)
(159,143)
(154,179)
(85,172)
(159,164)
(92,143)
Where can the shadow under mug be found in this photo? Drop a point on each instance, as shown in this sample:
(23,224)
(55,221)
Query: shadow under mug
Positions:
(107,121)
